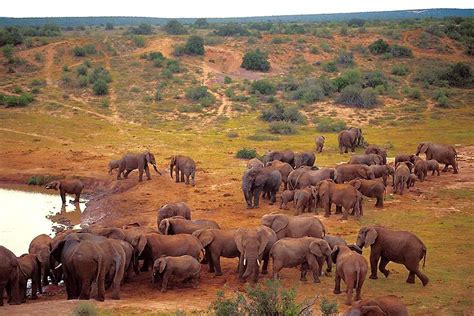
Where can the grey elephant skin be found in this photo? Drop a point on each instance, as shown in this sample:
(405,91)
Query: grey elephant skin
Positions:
(349,139)
(344,196)
(373,149)
(41,247)
(180,225)
(257,181)
(389,305)
(370,188)
(309,252)
(254,163)
(441,153)
(303,177)
(319,142)
(284,156)
(304,159)
(173,209)
(68,186)
(182,267)
(30,266)
(382,171)
(114,164)
(9,276)
(294,226)
(398,246)
(184,167)
(351,267)
(348,172)
(401,177)
(130,162)
(366,159)
(283,167)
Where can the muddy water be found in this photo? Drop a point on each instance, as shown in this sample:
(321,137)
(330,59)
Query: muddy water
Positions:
(24,215)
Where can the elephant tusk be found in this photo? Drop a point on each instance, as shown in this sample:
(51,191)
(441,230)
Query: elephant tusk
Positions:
(58,266)
(245,261)
(258,262)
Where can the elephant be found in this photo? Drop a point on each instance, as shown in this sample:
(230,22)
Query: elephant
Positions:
(154,246)
(304,200)
(69,186)
(173,209)
(258,180)
(319,141)
(254,163)
(140,161)
(182,267)
(184,165)
(9,276)
(286,196)
(349,139)
(400,179)
(283,167)
(388,305)
(180,225)
(131,263)
(82,263)
(295,174)
(370,188)
(41,247)
(402,158)
(420,169)
(312,177)
(373,149)
(411,180)
(304,159)
(442,153)
(347,172)
(343,195)
(350,267)
(382,171)
(398,246)
(367,159)
(254,245)
(309,252)
(294,226)
(114,164)
(284,156)
(334,241)
(217,243)
(30,269)
(433,166)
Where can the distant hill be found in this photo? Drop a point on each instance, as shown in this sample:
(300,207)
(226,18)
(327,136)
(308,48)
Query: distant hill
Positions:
(385,15)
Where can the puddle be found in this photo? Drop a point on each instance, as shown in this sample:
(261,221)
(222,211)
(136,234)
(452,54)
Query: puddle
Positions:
(25,215)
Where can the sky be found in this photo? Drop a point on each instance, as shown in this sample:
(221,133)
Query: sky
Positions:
(211,8)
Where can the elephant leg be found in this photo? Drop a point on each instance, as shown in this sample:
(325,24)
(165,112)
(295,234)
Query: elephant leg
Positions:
(78,195)
(359,290)
(187,179)
(210,261)
(329,264)
(345,214)
(256,197)
(177,174)
(338,209)
(379,202)
(445,169)
(349,290)
(374,259)
(140,174)
(147,172)
(423,278)
(383,263)
(337,285)
(272,197)
(125,175)
(165,280)
(327,209)
(2,293)
(216,261)
(303,270)
(85,289)
(314,266)
(411,277)
(119,272)
(182,176)
(455,166)
(63,196)
(438,171)
(266,258)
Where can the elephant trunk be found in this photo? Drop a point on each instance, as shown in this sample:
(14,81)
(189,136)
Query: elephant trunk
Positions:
(171,170)
(156,169)
(249,265)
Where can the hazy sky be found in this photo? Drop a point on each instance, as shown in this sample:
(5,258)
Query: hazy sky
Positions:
(211,8)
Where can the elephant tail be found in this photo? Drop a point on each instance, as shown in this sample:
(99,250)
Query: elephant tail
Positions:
(357,279)
(424,256)
(99,268)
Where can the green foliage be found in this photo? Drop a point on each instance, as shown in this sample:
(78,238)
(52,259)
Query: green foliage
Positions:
(327,124)
(138,40)
(330,66)
(260,137)
(246,153)
(399,70)
(442,100)
(197,93)
(459,75)
(345,58)
(7,51)
(280,40)
(85,309)
(310,91)
(16,35)
(201,23)
(99,73)
(349,77)
(142,29)
(413,93)
(255,60)
(173,27)
(314,50)
(379,47)
(14,100)
(278,112)
(109,26)
(400,51)
(39,180)
(173,65)
(100,87)
(356,22)
(354,95)
(231,29)
(194,45)
(82,70)
(82,51)
(263,86)
(328,308)
(373,79)
(227,80)
(282,128)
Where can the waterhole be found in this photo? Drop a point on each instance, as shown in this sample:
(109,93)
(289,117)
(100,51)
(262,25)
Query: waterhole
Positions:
(25,215)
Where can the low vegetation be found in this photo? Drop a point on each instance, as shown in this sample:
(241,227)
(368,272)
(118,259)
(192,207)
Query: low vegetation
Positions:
(256,60)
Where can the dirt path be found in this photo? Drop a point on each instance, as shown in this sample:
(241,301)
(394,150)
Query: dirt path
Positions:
(49,61)
(112,95)
(30,134)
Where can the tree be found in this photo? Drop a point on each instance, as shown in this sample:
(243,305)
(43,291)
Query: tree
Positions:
(100,87)
(194,45)
(173,27)
(201,23)
(255,60)
(379,47)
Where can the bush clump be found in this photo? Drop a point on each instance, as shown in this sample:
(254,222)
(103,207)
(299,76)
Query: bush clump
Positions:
(85,309)
(348,78)
(16,100)
(39,180)
(345,58)
(400,51)
(330,66)
(309,91)
(194,45)
(232,29)
(379,47)
(255,60)
(142,29)
(442,100)
(328,308)
(278,112)
(173,27)
(246,153)
(197,93)
(282,128)
(263,86)
(82,51)
(327,125)
(399,70)
(354,95)
(100,87)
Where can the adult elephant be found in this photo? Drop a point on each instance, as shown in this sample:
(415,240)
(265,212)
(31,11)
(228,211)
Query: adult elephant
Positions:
(41,247)
(294,226)
(254,163)
(184,165)
(348,172)
(30,267)
(398,246)
(441,153)
(283,167)
(173,209)
(67,186)
(367,159)
(258,180)
(313,177)
(304,159)
(373,149)
(349,139)
(9,276)
(254,246)
(217,243)
(178,225)
(137,161)
(295,174)
(382,171)
(285,156)
(343,195)
(370,188)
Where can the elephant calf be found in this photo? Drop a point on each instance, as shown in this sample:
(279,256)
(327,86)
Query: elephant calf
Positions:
(421,169)
(173,209)
(30,269)
(183,267)
(382,171)
(9,274)
(433,166)
(350,267)
(254,163)
(319,142)
(286,196)
(114,164)
(309,252)
(402,174)
(72,186)
(185,166)
(179,225)
(304,200)
(294,226)
(383,305)
(411,180)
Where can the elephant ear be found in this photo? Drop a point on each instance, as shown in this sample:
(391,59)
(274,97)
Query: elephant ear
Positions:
(362,173)
(264,239)
(238,238)
(57,249)
(315,249)
(423,149)
(142,242)
(173,160)
(162,265)
(279,223)
(334,253)
(372,310)
(205,236)
(356,184)
(370,237)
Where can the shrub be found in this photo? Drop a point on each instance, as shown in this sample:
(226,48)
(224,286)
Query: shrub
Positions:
(379,47)
(345,58)
(87,49)
(400,51)
(309,92)
(255,60)
(399,70)
(442,99)
(83,81)
(194,45)
(201,23)
(142,29)
(13,100)
(179,50)
(227,80)
(327,124)
(280,40)
(246,153)
(328,308)
(158,96)
(330,66)
(197,93)
(373,79)
(99,73)
(280,113)
(355,96)
(100,87)
(173,27)
(82,70)
(314,50)
(347,78)
(138,40)
(39,180)
(85,309)
(173,65)
(282,128)
(263,86)
(414,93)
(232,29)
(109,26)
(356,22)
(458,75)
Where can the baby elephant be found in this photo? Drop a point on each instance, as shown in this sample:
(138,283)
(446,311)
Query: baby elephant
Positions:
(72,186)
(114,164)
(350,267)
(306,251)
(383,305)
(184,167)
(421,169)
(184,268)
(411,180)
(319,141)
(286,196)
(304,200)
(433,166)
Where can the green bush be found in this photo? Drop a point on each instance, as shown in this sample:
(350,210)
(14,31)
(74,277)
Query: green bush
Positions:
(263,86)
(99,73)
(100,87)
(39,180)
(197,93)
(173,27)
(231,29)
(373,79)
(310,91)
(345,58)
(138,40)
(442,99)
(246,153)
(282,128)
(255,60)
(354,95)
(459,75)
(400,51)
(278,112)
(227,80)
(280,40)
(88,49)
(14,100)
(379,47)
(142,29)
(82,70)
(349,77)
(413,93)
(85,309)
(328,308)
(399,70)
(201,23)
(194,45)
(327,124)
(330,66)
